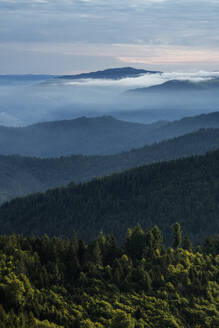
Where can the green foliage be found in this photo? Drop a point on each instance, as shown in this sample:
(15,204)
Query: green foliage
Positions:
(121,319)
(54,283)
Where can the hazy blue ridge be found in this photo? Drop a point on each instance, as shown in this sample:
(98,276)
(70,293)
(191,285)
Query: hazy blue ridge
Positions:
(180,85)
(113,73)
(95,136)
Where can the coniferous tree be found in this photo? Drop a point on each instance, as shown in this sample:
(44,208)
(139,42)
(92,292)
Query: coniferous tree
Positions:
(187,244)
(158,239)
(177,235)
(96,253)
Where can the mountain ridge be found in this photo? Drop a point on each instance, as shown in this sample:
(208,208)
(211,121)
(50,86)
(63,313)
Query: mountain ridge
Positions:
(112,73)
(180,85)
(95,136)
(20,176)
(87,136)
(183,190)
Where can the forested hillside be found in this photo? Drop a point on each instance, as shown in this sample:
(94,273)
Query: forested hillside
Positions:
(99,135)
(185,190)
(95,136)
(53,283)
(22,175)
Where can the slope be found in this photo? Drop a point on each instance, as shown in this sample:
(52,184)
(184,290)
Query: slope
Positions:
(20,176)
(100,135)
(95,136)
(181,85)
(184,190)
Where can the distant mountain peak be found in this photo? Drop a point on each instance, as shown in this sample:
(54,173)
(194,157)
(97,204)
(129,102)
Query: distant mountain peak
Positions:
(110,73)
(181,85)
(74,121)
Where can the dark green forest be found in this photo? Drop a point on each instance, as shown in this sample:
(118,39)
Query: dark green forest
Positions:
(23,175)
(67,283)
(69,259)
(184,190)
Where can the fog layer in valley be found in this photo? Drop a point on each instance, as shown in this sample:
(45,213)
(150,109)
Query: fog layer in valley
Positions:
(34,99)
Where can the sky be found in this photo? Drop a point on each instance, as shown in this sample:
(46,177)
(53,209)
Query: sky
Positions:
(72,36)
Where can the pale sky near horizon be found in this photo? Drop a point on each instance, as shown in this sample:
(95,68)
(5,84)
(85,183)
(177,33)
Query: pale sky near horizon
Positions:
(70,36)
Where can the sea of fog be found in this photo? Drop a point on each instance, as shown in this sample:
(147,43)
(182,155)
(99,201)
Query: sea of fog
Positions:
(45,98)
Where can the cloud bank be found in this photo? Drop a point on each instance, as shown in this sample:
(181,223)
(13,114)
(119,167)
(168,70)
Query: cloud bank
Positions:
(162,33)
(145,80)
